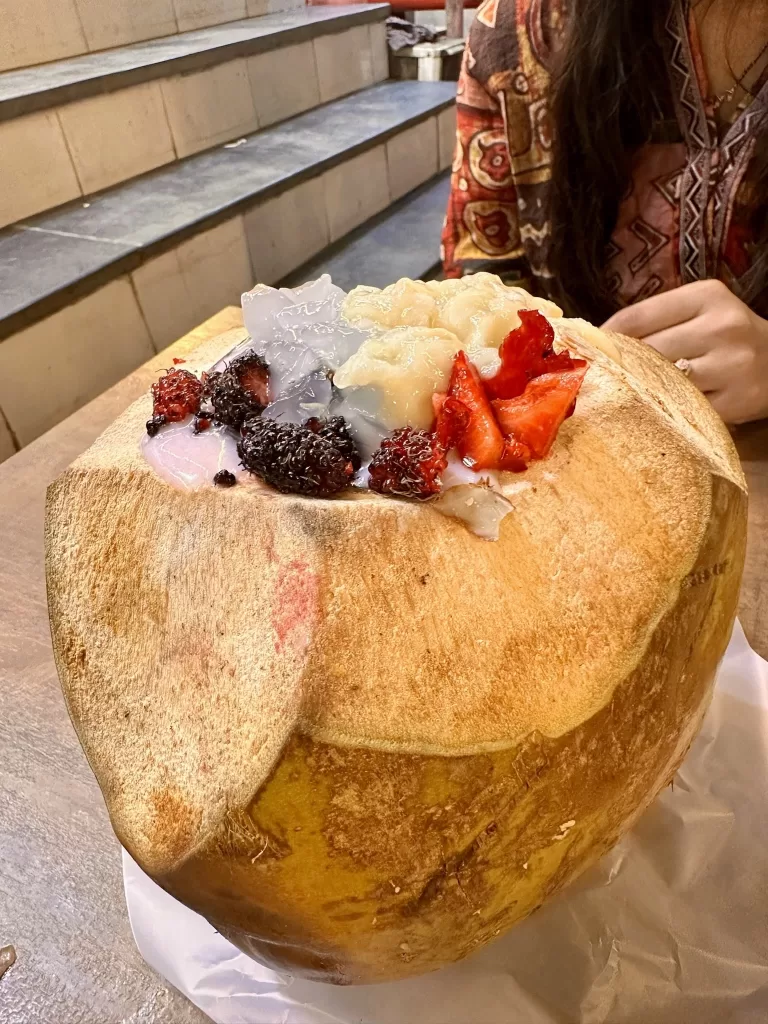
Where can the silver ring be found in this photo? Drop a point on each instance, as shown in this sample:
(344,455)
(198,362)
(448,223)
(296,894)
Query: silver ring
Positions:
(685,367)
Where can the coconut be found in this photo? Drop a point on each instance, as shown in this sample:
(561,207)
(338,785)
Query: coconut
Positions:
(361,740)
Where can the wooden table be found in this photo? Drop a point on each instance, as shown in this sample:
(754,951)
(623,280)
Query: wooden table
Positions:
(752,442)
(61,898)
(61,890)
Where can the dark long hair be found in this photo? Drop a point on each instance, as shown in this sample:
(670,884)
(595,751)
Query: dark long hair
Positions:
(610,88)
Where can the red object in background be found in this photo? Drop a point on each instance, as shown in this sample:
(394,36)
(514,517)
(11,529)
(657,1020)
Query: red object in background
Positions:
(401,5)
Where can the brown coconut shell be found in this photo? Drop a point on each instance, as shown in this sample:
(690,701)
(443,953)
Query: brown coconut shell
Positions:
(357,738)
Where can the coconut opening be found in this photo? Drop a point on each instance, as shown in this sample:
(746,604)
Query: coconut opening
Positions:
(376,359)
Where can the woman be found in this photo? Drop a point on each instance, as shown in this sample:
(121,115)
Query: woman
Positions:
(617,152)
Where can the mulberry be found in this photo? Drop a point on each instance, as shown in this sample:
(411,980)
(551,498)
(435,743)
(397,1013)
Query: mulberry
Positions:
(175,396)
(294,459)
(408,463)
(225,479)
(238,392)
(336,430)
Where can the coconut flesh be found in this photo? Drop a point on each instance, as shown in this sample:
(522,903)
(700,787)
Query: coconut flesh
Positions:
(359,739)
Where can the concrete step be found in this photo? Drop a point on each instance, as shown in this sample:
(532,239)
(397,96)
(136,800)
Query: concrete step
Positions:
(40,31)
(89,291)
(32,89)
(404,241)
(78,126)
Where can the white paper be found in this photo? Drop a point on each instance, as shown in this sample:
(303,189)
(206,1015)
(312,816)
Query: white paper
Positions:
(670,928)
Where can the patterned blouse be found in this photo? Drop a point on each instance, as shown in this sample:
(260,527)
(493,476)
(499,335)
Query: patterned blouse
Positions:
(686,213)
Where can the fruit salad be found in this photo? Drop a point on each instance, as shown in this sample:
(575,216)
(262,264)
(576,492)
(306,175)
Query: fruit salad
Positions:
(423,391)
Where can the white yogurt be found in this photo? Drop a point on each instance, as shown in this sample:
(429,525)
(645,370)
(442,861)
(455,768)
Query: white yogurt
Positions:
(188,460)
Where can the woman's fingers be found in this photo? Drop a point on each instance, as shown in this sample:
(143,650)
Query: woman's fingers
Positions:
(661,312)
(723,340)
(684,341)
(706,372)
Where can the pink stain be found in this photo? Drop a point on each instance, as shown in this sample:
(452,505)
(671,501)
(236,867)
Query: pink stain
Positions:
(269,550)
(294,607)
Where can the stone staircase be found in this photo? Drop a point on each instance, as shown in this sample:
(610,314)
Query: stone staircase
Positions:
(146,186)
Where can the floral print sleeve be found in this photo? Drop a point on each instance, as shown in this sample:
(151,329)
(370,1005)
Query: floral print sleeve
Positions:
(498,207)
(481,222)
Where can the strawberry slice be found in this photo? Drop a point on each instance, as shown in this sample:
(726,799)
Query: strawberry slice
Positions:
(482,445)
(451,420)
(534,418)
(515,456)
(527,353)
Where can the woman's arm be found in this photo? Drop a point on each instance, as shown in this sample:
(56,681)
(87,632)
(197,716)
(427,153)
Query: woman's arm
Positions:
(725,343)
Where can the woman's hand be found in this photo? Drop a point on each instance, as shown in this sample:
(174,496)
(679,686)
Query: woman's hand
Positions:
(723,340)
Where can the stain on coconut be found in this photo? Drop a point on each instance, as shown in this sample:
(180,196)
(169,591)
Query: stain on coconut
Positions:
(7,958)
(294,607)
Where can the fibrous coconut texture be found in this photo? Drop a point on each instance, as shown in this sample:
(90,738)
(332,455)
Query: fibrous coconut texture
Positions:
(357,738)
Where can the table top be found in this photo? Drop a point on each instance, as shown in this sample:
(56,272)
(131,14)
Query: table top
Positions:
(752,443)
(61,898)
(61,888)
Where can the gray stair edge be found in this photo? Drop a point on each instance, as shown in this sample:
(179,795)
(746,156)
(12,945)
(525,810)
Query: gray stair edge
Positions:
(363,246)
(30,90)
(119,260)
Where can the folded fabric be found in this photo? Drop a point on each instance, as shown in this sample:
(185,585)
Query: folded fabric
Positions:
(402,33)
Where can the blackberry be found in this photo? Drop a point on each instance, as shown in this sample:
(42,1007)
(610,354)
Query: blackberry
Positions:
(239,391)
(408,463)
(294,459)
(252,371)
(225,479)
(154,424)
(336,430)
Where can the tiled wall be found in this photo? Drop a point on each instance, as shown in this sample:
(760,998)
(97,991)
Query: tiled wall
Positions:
(287,231)
(412,157)
(210,107)
(52,368)
(116,136)
(255,8)
(36,168)
(344,62)
(109,23)
(51,158)
(285,82)
(192,14)
(180,289)
(38,31)
(446,137)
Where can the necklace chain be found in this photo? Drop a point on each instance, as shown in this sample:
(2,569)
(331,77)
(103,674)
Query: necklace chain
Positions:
(725,97)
